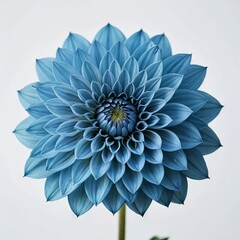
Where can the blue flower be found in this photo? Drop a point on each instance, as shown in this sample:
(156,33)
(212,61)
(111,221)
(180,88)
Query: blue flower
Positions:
(117,121)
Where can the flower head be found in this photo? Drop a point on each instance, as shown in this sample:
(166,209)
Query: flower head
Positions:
(117,121)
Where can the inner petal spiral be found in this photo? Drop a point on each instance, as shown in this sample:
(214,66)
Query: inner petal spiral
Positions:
(117,117)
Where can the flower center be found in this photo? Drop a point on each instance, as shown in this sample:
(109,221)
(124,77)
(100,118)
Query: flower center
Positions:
(117,117)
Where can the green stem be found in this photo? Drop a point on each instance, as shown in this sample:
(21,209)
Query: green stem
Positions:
(122,223)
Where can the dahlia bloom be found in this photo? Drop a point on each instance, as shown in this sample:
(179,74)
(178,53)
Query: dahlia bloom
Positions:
(117,121)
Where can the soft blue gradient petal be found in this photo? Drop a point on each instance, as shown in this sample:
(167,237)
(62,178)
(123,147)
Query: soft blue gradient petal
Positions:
(66,94)
(172,179)
(67,128)
(28,96)
(115,68)
(197,168)
(162,42)
(180,196)
(178,63)
(64,55)
(188,135)
(97,51)
(194,77)
(166,197)
(106,62)
(171,80)
(97,190)
(175,160)
(154,70)
(45,90)
(152,140)
(52,190)
(79,58)
(48,148)
(210,142)
(38,110)
(109,35)
(79,82)
(44,69)
(141,49)
(52,125)
(80,171)
(123,154)
(152,190)
(132,180)
(136,162)
(113,201)
(154,156)
(79,201)
(63,71)
(116,171)
(83,149)
(131,65)
(141,203)
(135,40)
(177,112)
(153,173)
(75,41)
(67,143)
(170,141)
(128,196)
(120,53)
(164,120)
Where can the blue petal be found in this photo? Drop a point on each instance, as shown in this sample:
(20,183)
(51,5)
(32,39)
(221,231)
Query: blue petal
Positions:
(79,82)
(123,79)
(153,84)
(115,69)
(166,197)
(152,190)
(140,79)
(67,128)
(153,156)
(140,50)
(164,94)
(37,127)
(135,40)
(152,140)
(83,149)
(60,161)
(98,167)
(155,105)
(66,184)
(163,44)
(27,139)
(210,110)
(189,98)
(178,63)
(123,154)
(136,162)
(98,144)
(124,192)
(52,125)
(36,168)
(177,112)
(64,55)
(131,65)
(141,203)
(84,95)
(38,110)
(90,72)
(175,160)
(180,196)
(107,155)
(48,148)
(28,96)
(45,90)
(154,70)
(79,109)
(97,51)
(170,141)
(97,190)
(197,168)
(135,147)
(194,77)
(79,58)
(59,109)
(52,191)
(172,179)
(67,143)
(150,56)
(79,201)
(80,171)
(106,62)
(210,143)
(67,94)
(171,80)
(197,122)
(36,151)
(75,41)
(164,120)
(63,71)
(153,173)
(44,69)
(114,201)
(109,35)
(90,133)
(132,180)
(120,53)
(116,171)
(188,135)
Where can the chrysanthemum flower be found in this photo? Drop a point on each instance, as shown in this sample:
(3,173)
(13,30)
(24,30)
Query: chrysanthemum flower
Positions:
(117,121)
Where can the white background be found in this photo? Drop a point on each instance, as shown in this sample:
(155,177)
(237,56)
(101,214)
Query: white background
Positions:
(207,28)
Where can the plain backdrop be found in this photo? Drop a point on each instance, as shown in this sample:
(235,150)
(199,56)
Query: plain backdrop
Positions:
(209,29)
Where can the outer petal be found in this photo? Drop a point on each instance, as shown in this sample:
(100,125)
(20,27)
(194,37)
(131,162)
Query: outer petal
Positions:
(109,35)
(163,44)
(44,69)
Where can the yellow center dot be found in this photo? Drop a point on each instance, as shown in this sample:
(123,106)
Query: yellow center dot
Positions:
(117,114)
